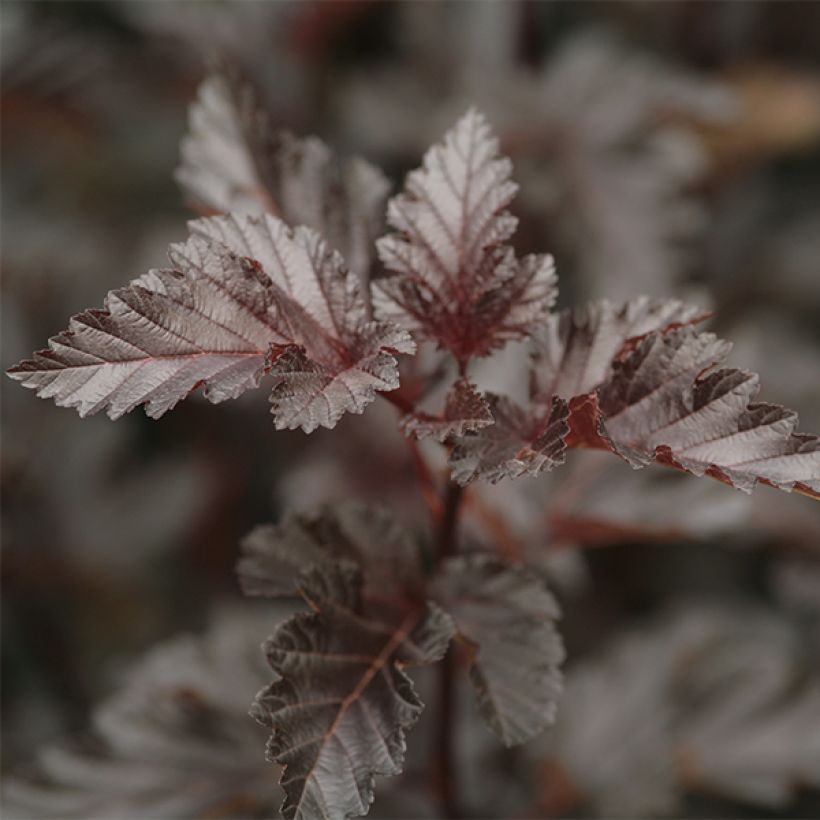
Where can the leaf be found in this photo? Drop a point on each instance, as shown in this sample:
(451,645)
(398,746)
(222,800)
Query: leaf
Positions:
(340,711)
(519,442)
(341,708)
(507,616)
(234,161)
(154,346)
(175,741)
(274,556)
(574,352)
(451,277)
(248,296)
(666,402)
(465,410)
(227,158)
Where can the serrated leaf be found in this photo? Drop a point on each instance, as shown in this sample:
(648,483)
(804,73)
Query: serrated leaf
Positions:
(667,402)
(340,711)
(154,346)
(508,617)
(227,156)
(274,556)
(233,160)
(174,741)
(519,442)
(465,410)
(245,293)
(452,277)
(574,351)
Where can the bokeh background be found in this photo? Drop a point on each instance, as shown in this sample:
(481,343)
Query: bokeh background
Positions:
(663,148)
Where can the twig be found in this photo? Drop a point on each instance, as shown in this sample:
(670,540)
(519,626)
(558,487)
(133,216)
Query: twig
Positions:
(445,735)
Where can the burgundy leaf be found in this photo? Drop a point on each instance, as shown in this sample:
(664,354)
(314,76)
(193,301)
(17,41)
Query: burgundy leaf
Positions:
(575,350)
(245,291)
(465,410)
(519,442)
(342,358)
(452,277)
(666,402)
(154,346)
(508,617)
(228,155)
(233,160)
(274,556)
(173,741)
(342,704)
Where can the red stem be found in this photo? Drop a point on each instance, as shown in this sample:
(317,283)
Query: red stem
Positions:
(444,756)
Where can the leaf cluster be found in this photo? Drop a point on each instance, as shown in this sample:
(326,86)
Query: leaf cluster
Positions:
(292,276)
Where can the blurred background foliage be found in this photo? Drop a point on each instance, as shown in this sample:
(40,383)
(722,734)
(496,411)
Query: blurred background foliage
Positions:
(665,148)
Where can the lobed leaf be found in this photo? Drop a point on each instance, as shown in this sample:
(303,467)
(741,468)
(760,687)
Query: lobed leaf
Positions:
(233,160)
(174,741)
(340,711)
(507,616)
(274,556)
(451,276)
(247,296)
(667,402)
(156,341)
(465,410)
(227,158)
(341,703)
(519,442)
(574,351)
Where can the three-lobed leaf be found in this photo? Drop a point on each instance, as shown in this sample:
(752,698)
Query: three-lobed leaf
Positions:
(636,379)
(340,710)
(248,295)
(670,401)
(451,276)
(341,704)
(234,161)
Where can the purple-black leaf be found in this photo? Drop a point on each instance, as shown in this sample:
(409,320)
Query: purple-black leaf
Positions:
(274,556)
(174,741)
(161,337)
(508,617)
(342,704)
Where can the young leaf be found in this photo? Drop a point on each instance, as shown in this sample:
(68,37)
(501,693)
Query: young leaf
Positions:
(465,410)
(339,713)
(451,276)
(234,161)
(575,349)
(227,158)
(247,295)
(508,617)
(519,442)
(665,402)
